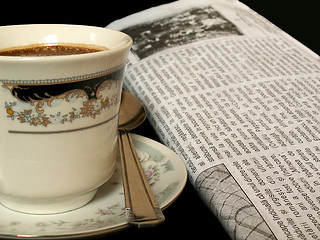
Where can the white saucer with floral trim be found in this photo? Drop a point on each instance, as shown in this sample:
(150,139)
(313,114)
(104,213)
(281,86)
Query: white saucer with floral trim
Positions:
(105,213)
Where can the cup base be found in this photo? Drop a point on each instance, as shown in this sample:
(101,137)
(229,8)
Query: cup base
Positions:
(48,206)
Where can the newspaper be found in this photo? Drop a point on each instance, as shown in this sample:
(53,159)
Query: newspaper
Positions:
(238,99)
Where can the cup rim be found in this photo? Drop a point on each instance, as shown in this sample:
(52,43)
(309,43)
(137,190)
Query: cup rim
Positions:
(125,44)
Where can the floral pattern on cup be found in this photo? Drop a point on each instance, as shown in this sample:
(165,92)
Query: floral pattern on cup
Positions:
(59,103)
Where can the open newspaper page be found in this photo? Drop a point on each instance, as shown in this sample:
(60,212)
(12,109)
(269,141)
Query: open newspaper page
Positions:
(238,100)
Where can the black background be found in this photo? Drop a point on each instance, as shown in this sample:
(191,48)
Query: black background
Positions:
(188,215)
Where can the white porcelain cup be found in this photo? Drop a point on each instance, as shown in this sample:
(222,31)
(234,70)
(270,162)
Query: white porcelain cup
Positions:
(58,117)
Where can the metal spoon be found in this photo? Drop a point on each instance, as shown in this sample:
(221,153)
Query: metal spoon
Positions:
(142,208)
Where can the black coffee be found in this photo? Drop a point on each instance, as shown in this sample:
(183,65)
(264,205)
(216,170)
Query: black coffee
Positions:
(38,50)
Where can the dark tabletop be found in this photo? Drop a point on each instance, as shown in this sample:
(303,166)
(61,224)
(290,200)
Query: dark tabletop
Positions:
(188,214)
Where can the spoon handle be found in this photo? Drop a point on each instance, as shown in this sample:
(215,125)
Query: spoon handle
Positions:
(142,208)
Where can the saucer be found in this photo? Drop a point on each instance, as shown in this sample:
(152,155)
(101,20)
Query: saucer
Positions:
(106,212)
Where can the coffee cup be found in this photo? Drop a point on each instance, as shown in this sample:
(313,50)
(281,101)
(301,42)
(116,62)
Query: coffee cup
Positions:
(58,115)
